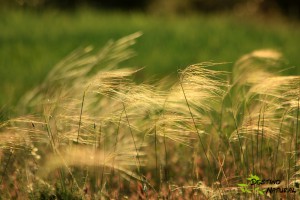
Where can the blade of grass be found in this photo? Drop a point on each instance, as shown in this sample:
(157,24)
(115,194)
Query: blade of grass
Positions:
(117,135)
(274,165)
(195,126)
(200,139)
(81,111)
(297,134)
(257,137)
(262,140)
(155,148)
(131,133)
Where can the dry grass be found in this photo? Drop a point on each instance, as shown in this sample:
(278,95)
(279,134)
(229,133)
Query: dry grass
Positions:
(90,132)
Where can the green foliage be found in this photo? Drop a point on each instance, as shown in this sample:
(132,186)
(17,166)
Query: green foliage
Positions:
(33,42)
(253,177)
(256,189)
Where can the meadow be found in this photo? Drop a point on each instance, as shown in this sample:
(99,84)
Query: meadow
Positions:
(33,42)
(105,123)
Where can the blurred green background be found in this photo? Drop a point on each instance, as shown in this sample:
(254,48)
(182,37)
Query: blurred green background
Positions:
(36,34)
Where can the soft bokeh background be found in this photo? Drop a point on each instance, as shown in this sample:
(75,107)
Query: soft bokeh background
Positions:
(36,34)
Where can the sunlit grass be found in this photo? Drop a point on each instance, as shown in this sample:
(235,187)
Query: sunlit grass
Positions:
(90,131)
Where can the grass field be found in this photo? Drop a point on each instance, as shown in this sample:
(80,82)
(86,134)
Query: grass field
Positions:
(88,131)
(92,130)
(33,42)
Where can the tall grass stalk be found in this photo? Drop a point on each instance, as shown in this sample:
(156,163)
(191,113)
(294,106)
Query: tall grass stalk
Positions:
(297,132)
(81,110)
(195,126)
(117,135)
(133,140)
(262,140)
(103,166)
(274,165)
(155,149)
(166,168)
(257,138)
(198,134)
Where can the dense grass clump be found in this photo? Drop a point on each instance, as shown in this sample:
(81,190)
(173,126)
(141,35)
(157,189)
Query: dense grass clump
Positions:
(90,132)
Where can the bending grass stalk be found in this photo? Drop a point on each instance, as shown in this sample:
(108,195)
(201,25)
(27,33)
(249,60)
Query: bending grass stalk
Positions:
(103,166)
(81,110)
(137,153)
(166,172)
(49,132)
(155,147)
(262,139)
(96,166)
(55,150)
(166,178)
(165,148)
(221,116)
(257,136)
(198,134)
(116,142)
(202,145)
